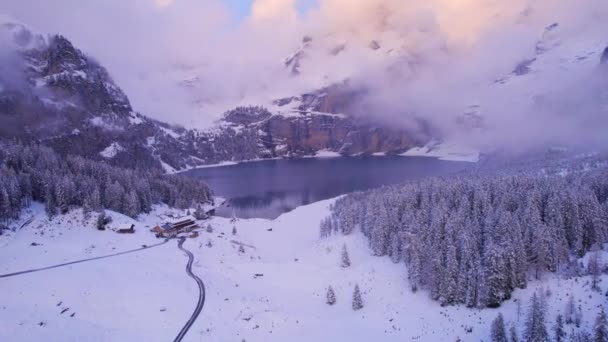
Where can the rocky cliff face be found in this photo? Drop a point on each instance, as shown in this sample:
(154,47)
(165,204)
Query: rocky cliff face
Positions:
(305,133)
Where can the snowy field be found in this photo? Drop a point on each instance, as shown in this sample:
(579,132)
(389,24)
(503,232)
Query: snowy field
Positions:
(147,296)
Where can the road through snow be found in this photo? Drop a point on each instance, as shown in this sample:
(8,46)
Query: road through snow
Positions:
(80,261)
(201,292)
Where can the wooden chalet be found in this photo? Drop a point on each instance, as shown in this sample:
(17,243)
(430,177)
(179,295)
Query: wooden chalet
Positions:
(126,229)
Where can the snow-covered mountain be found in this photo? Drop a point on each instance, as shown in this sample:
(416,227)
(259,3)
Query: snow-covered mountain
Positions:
(57,95)
(482,93)
(66,99)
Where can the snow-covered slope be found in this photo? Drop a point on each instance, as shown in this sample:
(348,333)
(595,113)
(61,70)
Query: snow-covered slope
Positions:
(147,296)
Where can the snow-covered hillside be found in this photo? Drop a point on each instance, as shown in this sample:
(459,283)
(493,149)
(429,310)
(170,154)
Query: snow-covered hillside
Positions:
(273,291)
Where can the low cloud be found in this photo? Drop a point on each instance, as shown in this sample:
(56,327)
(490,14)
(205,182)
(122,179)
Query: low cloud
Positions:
(186,61)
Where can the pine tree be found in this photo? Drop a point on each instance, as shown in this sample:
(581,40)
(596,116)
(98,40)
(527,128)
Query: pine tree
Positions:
(600,330)
(558,329)
(209,229)
(345,260)
(495,277)
(331,296)
(50,204)
(513,333)
(357,300)
(101,221)
(499,334)
(536,330)
(595,270)
(580,336)
(131,205)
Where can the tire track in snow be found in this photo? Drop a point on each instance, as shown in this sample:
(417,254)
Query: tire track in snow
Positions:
(201,292)
(81,261)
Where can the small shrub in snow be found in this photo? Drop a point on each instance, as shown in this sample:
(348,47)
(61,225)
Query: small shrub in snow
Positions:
(209,229)
(241,249)
(233,230)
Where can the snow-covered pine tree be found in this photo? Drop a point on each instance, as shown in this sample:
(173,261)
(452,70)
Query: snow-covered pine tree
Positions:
(536,329)
(131,205)
(558,329)
(514,337)
(495,276)
(325,228)
(5,204)
(209,229)
(600,330)
(499,333)
(595,270)
(345,258)
(331,296)
(101,221)
(49,203)
(357,300)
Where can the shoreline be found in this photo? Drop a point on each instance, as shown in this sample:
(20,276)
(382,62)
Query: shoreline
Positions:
(465,158)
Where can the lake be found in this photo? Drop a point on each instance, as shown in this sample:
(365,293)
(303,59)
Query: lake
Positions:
(266,189)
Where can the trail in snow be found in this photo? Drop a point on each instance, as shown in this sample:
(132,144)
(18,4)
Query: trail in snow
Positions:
(201,292)
(80,261)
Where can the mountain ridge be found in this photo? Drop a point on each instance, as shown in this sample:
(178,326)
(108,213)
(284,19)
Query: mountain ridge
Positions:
(69,101)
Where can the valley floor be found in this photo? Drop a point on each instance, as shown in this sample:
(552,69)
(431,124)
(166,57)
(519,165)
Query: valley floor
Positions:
(147,296)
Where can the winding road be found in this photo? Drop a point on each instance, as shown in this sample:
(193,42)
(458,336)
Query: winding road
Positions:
(180,245)
(201,292)
(80,261)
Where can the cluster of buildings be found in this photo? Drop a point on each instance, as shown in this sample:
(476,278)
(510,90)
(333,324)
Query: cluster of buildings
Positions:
(173,228)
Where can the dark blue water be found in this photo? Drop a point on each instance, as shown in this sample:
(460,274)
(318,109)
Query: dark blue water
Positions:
(266,189)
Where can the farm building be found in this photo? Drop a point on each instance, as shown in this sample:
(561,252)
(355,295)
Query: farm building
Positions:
(171,229)
(126,229)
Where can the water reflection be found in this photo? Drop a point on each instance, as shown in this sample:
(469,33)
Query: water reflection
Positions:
(267,189)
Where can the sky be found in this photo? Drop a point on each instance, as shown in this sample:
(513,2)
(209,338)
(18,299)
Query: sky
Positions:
(187,61)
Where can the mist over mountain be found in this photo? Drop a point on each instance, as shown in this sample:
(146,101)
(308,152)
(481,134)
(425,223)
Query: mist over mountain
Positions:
(510,67)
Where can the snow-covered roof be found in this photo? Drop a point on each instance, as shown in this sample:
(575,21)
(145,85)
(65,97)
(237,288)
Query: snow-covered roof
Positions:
(181,219)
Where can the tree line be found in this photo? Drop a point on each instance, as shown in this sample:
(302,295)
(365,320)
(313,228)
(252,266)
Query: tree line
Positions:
(37,173)
(472,239)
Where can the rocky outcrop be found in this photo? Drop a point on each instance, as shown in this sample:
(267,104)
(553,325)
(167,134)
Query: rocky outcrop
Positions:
(307,131)
(310,133)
